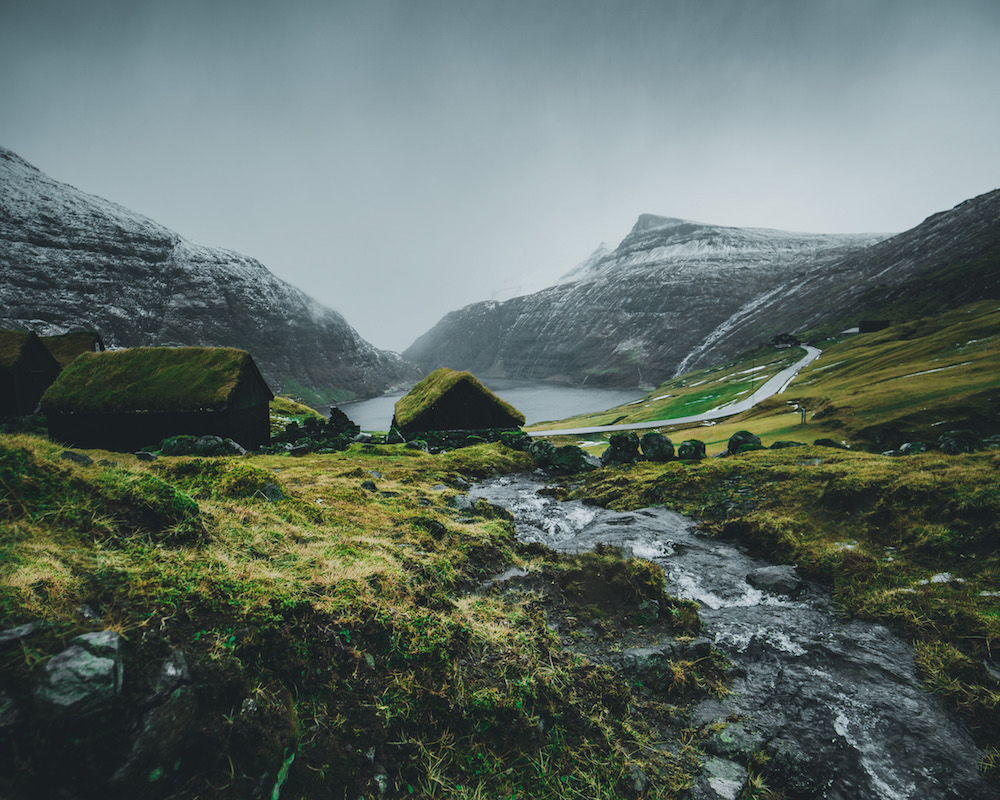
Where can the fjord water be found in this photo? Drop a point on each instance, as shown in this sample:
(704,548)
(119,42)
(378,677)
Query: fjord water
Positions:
(837,702)
(539,401)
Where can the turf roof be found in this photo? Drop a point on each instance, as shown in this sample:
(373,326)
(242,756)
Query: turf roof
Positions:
(67,346)
(147,379)
(11,345)
(432,388)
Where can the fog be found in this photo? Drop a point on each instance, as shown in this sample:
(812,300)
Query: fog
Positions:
(400,159)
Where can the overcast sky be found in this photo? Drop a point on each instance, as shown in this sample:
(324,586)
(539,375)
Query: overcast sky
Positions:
(400,159)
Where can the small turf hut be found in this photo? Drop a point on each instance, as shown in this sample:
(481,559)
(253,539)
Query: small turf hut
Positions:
(27,369)
(67,346)
(447,400)
(127,399)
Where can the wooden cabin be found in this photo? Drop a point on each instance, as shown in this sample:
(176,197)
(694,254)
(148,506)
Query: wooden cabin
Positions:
(447,400)
(27,369)
(126,400)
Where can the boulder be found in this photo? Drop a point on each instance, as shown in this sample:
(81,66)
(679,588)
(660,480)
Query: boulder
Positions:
(954,442)
(77,458)
(516,440)
(782,579)
(830,443)
(691,450)
(542,451)
(781,444)
(83,678)
(623,448)
(185,445)
(656,447)
(570,459)
(741,438)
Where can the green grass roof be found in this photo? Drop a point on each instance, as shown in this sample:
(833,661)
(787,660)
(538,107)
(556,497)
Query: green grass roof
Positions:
(147,379)
(11,345)
(436,385)
(67,346)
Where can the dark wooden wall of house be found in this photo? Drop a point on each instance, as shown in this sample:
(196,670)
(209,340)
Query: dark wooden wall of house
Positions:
(23,383)
(462,408)
(129,432)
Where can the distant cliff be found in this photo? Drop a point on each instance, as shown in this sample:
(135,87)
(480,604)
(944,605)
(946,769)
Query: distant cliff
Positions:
(632,316)
(72,260)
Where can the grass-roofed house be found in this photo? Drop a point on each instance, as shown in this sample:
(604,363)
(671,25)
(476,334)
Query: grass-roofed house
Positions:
(128,399)
(67,346)
(447,400)
(27,369)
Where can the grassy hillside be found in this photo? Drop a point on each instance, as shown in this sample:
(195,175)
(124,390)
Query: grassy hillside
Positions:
(339,636)
(913,381)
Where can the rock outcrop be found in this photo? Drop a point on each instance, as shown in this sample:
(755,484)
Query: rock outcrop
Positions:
(70,260)
(631,316)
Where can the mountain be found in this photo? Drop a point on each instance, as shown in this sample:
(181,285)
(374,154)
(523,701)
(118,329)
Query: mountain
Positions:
(70,260)
(678,295)
(633,315)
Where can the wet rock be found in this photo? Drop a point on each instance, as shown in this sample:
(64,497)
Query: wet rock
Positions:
(571,459)
(912,448)
(720,779)
(699,648)
(12,635)
(954,442)
(363,438)
(77,458)
(638,782)
(782,579)
(651,665)
(542,450)
(173,673)
(145,455)
(741,438)
(516,440)
(649,611)
(205,446)
(691,450)
(781,444)
(159,741)
(83,678)
(656,447)
(623,448)
(9,712)
(369,486)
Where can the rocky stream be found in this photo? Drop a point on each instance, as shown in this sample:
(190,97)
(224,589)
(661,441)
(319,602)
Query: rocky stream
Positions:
(836,704)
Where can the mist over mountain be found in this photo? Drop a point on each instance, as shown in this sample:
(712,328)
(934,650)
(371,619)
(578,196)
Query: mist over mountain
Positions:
(70,260)
(676,295)
(631,316)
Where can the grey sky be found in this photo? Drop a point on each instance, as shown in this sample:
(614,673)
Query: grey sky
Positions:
(398,160)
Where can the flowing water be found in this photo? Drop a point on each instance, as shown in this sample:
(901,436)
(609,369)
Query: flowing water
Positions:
(838,702)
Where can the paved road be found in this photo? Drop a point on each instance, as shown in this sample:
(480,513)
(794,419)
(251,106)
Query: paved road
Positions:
(770,388)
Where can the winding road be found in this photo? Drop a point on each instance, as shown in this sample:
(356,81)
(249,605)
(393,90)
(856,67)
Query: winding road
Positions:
(771,387)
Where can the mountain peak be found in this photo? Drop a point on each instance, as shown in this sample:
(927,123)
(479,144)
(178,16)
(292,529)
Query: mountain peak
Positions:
(652,222)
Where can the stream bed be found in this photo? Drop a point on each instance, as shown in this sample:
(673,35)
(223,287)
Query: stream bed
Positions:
(836,703)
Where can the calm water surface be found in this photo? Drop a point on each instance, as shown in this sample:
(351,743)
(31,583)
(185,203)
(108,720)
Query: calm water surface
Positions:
(539,401)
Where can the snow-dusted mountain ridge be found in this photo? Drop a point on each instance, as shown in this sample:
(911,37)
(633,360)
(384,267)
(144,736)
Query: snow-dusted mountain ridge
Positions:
(70,260)
(676,295)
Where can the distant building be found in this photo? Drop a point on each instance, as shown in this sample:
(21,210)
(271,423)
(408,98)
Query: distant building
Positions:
(447,400)
(67,346)
(872,325)
(785,340)
(129,399)
(27,369)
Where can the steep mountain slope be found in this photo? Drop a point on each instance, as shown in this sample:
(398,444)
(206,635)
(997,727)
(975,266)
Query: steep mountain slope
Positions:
(73,260)
(950,259)
(632,316)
